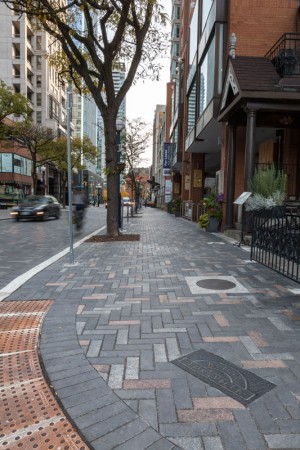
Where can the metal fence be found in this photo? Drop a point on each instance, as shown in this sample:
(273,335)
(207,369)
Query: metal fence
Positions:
(191,210)
(276,241)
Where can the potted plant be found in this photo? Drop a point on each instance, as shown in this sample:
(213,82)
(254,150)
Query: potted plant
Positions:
(212,213)
(176,206)
(268,188)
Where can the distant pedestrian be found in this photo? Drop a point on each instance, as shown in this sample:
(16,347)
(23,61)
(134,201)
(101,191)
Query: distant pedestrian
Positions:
(80,202)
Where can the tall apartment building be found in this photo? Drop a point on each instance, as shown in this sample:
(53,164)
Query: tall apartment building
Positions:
(24,68)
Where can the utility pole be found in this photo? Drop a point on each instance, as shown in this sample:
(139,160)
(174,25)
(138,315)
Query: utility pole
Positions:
(69,106)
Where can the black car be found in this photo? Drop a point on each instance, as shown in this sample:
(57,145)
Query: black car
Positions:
(37,207)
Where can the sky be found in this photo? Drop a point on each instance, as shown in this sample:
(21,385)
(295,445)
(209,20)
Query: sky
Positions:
(143,97)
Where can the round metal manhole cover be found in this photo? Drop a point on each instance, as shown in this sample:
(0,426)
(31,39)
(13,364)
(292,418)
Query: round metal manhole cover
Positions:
(215,283)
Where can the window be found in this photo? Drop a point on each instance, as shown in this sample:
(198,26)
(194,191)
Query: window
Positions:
(38,81)
(38,99)
(206,7)
(39,117)
(39,63)
(17,164)
(6,162)
(176,31)
(193,42)
(39,42)
(177,12)
(207,75)
(191,117)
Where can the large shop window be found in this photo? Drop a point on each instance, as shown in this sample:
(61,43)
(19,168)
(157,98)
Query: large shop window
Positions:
(13,163)
(207,75)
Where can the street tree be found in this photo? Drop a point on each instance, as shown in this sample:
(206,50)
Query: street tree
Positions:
(82,149)
(11,103)
(134,144)
(96,36)
(38,140)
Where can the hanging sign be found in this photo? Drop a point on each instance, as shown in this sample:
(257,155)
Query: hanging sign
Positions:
(167,155)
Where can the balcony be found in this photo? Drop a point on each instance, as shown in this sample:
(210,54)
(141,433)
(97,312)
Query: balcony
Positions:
(285,55)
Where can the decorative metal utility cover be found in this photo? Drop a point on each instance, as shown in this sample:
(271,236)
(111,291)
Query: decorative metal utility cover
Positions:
(239,384)
(209,284)
(216,283)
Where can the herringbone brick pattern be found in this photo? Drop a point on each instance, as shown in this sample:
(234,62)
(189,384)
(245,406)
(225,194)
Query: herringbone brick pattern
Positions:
(139,315)
(135,308)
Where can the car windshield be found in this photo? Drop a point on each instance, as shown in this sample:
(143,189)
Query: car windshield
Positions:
(35,199)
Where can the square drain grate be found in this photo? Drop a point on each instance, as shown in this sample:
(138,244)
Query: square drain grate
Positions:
(237,383)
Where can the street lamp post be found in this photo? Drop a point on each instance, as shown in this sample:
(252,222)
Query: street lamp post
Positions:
(43,169)
(119,126)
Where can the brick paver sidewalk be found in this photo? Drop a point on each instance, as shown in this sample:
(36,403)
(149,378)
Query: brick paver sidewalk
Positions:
(126,310)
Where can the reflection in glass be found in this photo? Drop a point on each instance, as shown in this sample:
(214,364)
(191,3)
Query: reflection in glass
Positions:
(206,7)
(207,70)
(192,107)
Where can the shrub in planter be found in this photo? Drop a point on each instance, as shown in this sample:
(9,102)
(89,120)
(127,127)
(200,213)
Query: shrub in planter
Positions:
(268,188)
(212,210)
(176,203)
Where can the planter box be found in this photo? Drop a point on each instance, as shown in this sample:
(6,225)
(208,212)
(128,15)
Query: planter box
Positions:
(213,225)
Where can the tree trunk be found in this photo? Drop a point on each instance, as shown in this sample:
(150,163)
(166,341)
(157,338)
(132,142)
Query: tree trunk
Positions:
(34,180)
(113,189)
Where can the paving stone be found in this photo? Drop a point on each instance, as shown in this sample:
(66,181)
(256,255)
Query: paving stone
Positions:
(289,426)
(101,414)
(64,392)
(249,430)
(188,443)
(283,441)
(140,441)
(212,443)
(76,379)
(94,348)
(231,437)
(181,394)
(103,427)
(166,406)
(161,444)
(147,410)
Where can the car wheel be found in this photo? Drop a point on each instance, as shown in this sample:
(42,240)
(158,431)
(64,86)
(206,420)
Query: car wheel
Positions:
(45,216)
(57,215)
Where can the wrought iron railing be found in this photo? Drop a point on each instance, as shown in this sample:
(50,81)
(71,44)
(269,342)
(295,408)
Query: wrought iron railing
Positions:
(285,55)
(276,241)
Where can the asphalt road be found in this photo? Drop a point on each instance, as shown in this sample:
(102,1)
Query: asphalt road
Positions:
(25,244)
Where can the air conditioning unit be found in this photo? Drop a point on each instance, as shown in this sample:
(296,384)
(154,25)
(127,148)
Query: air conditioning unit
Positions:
(220,181)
